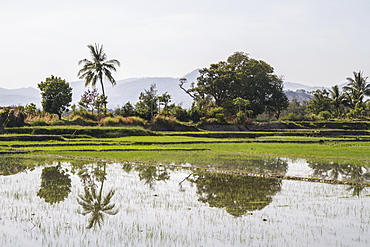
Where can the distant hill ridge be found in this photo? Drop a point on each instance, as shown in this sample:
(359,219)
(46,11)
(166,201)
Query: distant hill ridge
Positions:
(130,89)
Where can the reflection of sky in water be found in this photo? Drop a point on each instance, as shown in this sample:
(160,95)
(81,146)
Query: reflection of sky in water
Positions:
(298,168)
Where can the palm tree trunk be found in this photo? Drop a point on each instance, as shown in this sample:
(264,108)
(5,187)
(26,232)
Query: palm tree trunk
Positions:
(102,88)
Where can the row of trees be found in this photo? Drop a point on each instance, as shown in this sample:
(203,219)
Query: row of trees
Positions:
(241,87)
(57,94)
(350,102)
(237,89)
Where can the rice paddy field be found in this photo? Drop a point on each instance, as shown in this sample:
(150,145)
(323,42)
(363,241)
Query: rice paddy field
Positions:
(157,206)
(171,189)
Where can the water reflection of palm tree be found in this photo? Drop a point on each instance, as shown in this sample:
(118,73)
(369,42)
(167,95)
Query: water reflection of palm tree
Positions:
(328,170)
(358,174)
(93,202)
(347,172)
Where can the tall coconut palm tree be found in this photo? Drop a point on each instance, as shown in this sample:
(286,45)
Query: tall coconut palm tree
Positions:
(357,88)
(98,68)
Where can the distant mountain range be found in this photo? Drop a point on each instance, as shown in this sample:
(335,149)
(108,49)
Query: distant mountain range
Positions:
(130,89)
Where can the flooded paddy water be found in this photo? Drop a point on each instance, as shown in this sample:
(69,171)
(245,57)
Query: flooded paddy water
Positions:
(85,203)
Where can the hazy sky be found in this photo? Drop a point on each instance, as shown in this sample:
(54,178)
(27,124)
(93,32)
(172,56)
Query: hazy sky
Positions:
(314,42)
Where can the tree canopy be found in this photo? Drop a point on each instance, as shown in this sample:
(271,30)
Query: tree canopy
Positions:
(243,77)
(351,102)
(56,95)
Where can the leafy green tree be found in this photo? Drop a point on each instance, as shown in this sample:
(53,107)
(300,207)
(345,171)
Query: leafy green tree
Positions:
(256,82)
(100,103)
(126,111)
(241,103)
(164,99)
(178,112)
(244,77)
(295,110)
(96,69)
(56,95)
(278,101)
(31,109)
(5,115)
(217,81)
(147,105)
(242,115)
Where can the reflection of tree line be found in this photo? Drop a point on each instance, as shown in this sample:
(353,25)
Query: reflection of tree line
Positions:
(149,174)
(10,165)
(267,165)
(237,194)
(345,172)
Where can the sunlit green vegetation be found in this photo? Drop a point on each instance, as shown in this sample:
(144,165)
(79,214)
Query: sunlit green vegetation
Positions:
(222,153)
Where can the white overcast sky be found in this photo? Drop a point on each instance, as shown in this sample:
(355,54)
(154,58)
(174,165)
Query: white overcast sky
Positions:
(314,42)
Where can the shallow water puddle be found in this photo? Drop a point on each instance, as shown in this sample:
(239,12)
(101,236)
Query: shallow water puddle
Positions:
(98,204)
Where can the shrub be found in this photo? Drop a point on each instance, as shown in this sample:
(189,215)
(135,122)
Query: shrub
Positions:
(165,121)
(122,121)
(209,121)
(58,123)
(39,122)
(137,121)
(109,121)
(78,120)
(86,115)
(325,115)
(240,117)
(43,116)
(213,112)
(293,117)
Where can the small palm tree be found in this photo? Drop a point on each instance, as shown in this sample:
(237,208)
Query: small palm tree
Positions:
(337,99)
(99,67)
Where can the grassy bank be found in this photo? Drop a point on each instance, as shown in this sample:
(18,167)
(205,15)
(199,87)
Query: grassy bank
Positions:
(81,131)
